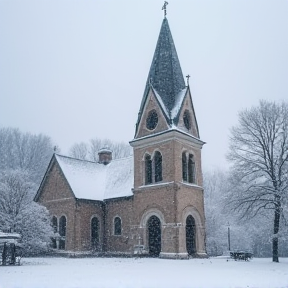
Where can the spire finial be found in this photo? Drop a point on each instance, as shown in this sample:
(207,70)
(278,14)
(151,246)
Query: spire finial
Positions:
(188,76)
(164,8)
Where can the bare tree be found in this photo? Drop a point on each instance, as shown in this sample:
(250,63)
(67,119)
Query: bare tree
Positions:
(79,151)
(215,187)
(259,153)
(25,151)
(89,151)
(19,213)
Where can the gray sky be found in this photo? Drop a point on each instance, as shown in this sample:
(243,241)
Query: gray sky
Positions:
(76,70)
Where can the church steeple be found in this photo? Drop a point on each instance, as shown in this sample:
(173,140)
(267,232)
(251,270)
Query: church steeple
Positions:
(165,74)
(165,82)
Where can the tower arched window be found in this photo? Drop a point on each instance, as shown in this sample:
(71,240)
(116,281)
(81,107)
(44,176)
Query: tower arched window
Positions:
(188,168)
(148,169)
(117,226)
(184,167)
(153,168)
(191,169)
(158,166)
(62,232)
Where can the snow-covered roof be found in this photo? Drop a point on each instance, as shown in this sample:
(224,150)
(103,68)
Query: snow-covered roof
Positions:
(161,102)
(178,103)
(105,150)
(95,181)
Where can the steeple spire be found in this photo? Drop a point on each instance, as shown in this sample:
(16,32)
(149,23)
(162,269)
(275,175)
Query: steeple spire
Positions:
(165,73)
(166,82)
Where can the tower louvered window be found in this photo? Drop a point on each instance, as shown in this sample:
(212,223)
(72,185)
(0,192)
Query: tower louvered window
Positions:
(153,168)
(184,167)
(188,168)
(191,169)
(148,169)
(158,166)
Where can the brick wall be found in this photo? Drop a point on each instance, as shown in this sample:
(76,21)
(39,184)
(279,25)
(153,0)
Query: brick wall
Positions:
(122,208)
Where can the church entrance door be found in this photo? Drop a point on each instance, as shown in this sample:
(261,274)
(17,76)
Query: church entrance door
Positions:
(154,234)
(190,235)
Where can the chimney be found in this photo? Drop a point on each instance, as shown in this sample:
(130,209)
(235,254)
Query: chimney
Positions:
(105,155)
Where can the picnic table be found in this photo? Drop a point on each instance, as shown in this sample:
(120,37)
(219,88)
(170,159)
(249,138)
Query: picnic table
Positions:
(241,255)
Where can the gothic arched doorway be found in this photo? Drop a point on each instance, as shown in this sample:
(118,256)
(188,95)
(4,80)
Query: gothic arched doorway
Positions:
(154,236)
(190,235)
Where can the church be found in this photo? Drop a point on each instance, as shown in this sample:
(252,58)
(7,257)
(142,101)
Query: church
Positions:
(150,203)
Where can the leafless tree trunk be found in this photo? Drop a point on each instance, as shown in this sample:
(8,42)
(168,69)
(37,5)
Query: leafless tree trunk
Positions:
(259,153)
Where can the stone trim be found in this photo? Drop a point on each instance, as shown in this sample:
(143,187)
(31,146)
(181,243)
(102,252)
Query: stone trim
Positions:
(165,255)
(166,135)
(199,226)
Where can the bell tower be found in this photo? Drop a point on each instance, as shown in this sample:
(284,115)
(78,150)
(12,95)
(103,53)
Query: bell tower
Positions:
(167,160)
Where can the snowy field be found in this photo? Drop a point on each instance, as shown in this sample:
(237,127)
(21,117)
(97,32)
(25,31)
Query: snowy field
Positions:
(135,273)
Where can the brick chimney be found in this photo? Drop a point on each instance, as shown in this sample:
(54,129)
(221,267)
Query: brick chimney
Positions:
(105,155)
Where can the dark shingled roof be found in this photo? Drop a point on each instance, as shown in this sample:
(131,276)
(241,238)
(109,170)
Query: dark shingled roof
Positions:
(165,73)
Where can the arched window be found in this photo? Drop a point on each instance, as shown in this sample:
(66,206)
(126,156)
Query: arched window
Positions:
(184,167)
(148,169)
(54,223)
(153,168)
(191,169)
(188,168)
(158,166)
(62,231)
(117,226)
(95,233)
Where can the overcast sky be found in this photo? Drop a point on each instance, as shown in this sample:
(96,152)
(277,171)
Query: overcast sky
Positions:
(76,70)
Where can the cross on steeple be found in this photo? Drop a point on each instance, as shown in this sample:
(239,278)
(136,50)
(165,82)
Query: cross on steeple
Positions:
(188,76)
(164,8)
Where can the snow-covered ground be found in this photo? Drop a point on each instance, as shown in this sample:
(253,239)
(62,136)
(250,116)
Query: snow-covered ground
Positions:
(135,273)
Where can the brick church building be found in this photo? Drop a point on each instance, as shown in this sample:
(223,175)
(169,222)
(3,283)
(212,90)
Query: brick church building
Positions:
(151,202)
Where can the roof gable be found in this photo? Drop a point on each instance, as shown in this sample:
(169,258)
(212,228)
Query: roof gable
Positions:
(54,178)
(186,104)
(153,102)
(165,75)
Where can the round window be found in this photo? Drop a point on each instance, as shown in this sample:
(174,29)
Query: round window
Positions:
(187,120)
(152,120)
